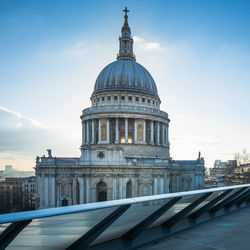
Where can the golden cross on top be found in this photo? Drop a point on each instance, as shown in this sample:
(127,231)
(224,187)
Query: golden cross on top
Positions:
(126,11)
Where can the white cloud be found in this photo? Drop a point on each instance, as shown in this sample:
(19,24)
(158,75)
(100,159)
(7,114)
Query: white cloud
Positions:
(18,132)
(77,49)
(22,121)
(142,44)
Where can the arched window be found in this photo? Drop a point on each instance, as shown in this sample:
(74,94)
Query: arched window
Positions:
(101,191)
(129,190)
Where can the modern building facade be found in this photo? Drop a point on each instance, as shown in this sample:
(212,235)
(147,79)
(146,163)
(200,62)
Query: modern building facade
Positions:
(125,142)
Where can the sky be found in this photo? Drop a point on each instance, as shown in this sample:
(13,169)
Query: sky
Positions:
(51,52)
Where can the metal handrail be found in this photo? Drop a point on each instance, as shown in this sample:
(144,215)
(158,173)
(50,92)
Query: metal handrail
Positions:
(28,215)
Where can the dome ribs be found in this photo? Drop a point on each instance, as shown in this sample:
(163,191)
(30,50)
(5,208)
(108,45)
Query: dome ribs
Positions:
(125,75)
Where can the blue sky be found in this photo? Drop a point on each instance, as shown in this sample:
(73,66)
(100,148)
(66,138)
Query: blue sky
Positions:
(51,52)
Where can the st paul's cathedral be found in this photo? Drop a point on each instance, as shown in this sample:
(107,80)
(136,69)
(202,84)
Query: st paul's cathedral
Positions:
(125,149)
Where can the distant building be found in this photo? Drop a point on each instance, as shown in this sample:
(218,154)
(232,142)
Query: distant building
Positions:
(1,174)
(29,193)
(220,167)
(9,171)
(215,181)
(241,174)
(224,164)
(17,194)
(11,195)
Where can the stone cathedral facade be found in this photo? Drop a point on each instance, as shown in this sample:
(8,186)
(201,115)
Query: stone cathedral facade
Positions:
(125,144)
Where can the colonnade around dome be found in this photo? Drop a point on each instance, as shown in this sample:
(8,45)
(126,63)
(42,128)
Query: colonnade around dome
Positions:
(124,131)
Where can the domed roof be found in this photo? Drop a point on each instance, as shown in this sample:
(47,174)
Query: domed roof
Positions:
(125,75)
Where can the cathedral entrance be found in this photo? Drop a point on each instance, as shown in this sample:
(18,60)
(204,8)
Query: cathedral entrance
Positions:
(129,190)
(64,202)
(101,191)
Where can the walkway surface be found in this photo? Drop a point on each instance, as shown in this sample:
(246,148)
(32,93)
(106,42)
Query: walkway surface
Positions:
(228,232)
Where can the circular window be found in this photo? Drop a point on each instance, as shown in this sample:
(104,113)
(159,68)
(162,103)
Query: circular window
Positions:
(100,155)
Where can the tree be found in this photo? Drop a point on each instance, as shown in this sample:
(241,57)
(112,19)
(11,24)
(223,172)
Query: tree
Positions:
(239,173)
(242,158)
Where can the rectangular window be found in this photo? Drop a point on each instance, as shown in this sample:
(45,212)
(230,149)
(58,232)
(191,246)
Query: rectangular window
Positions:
(98,99)
(149,101)
(137,99)
(140,130)
(130,98)
(109,98)
(115,97)
(123,98)
(143,99)
(103,98)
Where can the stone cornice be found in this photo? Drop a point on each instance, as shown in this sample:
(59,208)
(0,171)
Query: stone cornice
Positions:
(123,109)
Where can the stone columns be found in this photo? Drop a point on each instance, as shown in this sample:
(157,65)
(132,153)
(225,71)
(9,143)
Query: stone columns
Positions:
(135,130)
(53,190)
(158,134)
(83,133)
(87,190)
(167,144)
(99,131)
(46,191)
(81,191)
(87,126)
(161,191)
(136,193)
(42,190)
(133,187)
(117,130)
(144,131)
(151,132)
(178,182)
(58,195)
(126,130)
(114,188)
(74,191)
(120,188)
(155,185)
(38,185)
(93,131)
(108,131)
(167,184)
(163,137)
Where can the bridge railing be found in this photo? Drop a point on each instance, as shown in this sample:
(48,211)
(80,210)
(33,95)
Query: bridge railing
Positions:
(119,224)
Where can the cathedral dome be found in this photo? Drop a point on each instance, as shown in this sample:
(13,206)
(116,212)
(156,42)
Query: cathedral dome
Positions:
(125,75)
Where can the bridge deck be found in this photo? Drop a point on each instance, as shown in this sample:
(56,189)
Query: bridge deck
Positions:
(228,232)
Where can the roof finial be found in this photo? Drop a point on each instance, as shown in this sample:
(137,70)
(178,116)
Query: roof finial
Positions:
(126,11)
(126,16)
(126,41)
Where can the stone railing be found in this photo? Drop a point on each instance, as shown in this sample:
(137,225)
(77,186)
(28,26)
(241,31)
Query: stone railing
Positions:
(53,161)
(124,109)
